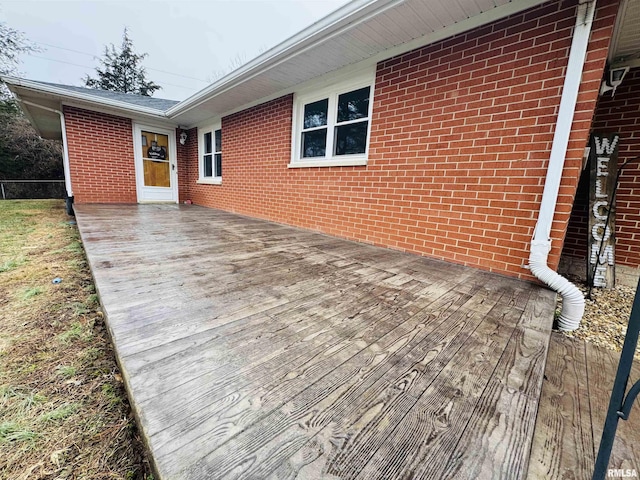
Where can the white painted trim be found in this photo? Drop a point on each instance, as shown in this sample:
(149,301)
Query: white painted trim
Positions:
(210,128)
(161,122)
(65,143)
(309,95)
(329,78)
(141,190)
(61,92)
(210,181)
(346,162)
(65,158)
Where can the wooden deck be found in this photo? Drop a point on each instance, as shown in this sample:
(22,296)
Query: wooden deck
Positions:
(573,406)
(256,350)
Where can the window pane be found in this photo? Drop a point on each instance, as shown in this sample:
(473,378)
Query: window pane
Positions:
(155,146)
(353,105)
(208,167)
(207,142)
(218,141)
(314,143)
(351,138)
(315,114)
(218,164)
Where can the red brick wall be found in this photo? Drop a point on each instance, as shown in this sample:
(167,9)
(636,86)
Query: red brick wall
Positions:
(256,148)
(100,157)
(185,152)
(461,135)
(617,114)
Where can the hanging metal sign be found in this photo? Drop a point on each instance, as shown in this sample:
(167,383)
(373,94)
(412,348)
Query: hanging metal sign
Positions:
(603,160)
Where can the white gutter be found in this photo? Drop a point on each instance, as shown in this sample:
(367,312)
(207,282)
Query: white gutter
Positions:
(65,148)
(572,299)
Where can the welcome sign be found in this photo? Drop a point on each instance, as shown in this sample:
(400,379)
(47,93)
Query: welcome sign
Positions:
(603,159)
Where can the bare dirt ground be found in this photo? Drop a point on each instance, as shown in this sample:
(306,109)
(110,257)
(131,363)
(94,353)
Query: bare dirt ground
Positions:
(64,413)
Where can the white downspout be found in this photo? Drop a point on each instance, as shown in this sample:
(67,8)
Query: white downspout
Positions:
(65,148)
(572,298)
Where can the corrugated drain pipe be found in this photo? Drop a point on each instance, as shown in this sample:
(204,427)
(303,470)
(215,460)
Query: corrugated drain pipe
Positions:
(572,298)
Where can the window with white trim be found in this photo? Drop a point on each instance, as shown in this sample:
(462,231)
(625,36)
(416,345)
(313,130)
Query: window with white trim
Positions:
(332,127)
(211,154)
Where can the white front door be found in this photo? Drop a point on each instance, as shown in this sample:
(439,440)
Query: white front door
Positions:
(155,154)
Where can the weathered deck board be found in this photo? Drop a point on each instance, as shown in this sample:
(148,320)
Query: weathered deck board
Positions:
(572,411)
(256,350)
(601,370)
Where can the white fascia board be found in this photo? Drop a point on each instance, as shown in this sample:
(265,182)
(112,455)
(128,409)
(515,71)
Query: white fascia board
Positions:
(158,121)
(69,95)
(345,18)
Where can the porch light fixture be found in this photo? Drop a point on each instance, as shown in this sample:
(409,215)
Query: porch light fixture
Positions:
(616,75)
(183,137)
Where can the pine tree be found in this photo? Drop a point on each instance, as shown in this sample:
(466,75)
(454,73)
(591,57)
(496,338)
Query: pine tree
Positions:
(122,71)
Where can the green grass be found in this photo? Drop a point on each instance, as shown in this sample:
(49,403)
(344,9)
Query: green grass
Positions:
(16,223)
(75,247)
(11,432)
(74,333)
(29,293)
(111,394)
(67,371)
(12,264)
(80,308)
(60,413)
(24,398)
(58,394)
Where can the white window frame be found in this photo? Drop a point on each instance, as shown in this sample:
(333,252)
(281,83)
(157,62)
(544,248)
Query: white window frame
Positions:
(214,180)
(332,93)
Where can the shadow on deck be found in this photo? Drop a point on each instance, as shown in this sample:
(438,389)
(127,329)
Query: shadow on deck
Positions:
(256,350)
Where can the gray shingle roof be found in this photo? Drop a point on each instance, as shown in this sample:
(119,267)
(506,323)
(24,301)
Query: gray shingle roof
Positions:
(138,100)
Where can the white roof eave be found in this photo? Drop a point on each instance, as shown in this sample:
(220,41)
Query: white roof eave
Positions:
(340,22)
(345,17)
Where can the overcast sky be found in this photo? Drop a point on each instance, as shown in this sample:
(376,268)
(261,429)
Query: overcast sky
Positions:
(188,41)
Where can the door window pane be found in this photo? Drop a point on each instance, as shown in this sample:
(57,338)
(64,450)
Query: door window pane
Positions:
(315,114)
(155,146)
(314,143)
(155,159)
(353,105)
(351,138)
